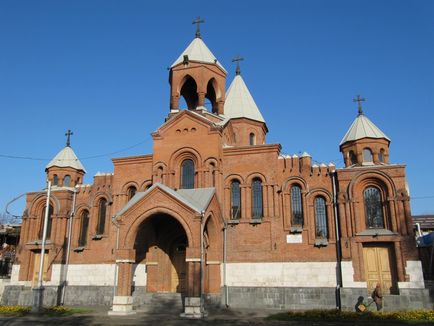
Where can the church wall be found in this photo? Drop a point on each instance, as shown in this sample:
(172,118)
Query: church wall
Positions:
(282,274)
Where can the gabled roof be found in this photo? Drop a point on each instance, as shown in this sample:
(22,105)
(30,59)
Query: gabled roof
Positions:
(362,127)
(239,102)
(198,51)
(66,158)
(192,114)
(197,199)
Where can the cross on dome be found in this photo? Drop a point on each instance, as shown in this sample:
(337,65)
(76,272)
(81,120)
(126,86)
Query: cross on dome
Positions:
(237,59)
(198,21)
(68,135)
(359,101)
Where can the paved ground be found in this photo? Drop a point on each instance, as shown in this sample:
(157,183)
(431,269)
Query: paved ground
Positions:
(224,317)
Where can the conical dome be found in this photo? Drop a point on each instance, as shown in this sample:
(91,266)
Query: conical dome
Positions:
(66,158)
(198,51)
(239,102)
(362,127)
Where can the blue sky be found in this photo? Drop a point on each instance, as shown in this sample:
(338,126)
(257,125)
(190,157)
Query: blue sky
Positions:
(100,69)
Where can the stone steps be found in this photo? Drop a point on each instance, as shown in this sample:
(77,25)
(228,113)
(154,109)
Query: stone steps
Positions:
(160,303)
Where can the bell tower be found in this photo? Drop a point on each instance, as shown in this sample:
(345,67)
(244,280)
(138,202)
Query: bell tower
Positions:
(364,143)
(197,76)
(65,169)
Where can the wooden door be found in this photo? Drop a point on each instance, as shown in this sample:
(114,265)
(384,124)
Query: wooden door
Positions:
(178,270)
(36,264)
(379,268)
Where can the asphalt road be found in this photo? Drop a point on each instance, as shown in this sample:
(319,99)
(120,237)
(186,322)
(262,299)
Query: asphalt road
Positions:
(225,317)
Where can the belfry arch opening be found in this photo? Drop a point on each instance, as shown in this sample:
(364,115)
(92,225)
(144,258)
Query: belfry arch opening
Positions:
(211,96)
(189,92)
(161,244)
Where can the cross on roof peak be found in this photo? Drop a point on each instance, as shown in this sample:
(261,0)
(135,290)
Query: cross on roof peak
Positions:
(68,135)
(237,59)
(359,101)
(198,21)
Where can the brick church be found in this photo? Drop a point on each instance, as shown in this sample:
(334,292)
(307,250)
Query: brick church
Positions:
(215,212)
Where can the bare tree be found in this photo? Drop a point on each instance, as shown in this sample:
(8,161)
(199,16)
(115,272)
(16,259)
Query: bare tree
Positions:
(6,218)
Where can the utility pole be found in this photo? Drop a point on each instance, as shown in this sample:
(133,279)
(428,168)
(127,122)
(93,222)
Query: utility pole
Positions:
(38,291)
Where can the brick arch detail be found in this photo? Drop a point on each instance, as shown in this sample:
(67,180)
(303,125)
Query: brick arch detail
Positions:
(182,154)
(311,195)
(378,178)
(131,229)
(255,175)
(40,201)
(289,182)
(95,200)
(128,185)
(145,184)
(232,177)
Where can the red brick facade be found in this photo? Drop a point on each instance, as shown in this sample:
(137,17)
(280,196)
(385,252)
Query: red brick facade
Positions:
(159,226)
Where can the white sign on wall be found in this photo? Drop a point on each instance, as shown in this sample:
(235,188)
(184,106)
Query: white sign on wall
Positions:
(294,238)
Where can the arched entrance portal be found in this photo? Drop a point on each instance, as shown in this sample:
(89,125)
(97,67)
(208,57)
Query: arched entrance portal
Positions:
(161,244)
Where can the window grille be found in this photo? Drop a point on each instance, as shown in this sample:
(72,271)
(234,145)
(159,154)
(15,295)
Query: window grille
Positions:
(257,205)
(82,240)
(296,206)
(49,222)
(187,174)
(102,207)
(235,200)
(373,208)
(320,218)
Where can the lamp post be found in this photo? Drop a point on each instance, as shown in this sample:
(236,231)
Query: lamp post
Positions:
(38,291)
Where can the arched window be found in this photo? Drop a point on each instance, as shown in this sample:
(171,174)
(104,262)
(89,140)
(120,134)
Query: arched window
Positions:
(373,208)
(67,181)
(235,200)
(55,180)
(257,206)
(49,222)
(131,192)
(320,218)
(82,240)
(213,172)
(187,174)
(102,208)
(367,155)
(353,157)
(381,156)
(296,206)
(252,139)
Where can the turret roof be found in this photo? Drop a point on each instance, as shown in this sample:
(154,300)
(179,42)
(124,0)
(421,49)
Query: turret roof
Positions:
(362,127)
(198,51)
(239,102)
(66,158)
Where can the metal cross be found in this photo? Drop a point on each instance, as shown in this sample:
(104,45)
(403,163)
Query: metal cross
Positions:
(68,135)
(198,21)
(237,59)
(359,101)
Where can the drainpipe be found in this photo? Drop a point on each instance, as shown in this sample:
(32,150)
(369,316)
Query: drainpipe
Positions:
(202,263)
(338,243)
(68,247)
(225,286)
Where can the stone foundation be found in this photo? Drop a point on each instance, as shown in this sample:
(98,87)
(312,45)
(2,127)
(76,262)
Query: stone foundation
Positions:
(297,298)
(74,295)
(283,298)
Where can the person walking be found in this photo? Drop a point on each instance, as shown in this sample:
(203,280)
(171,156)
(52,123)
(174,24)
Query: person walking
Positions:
(377,296)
